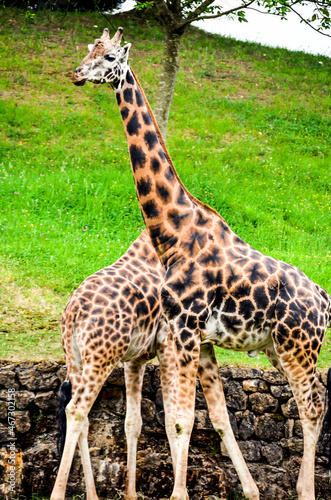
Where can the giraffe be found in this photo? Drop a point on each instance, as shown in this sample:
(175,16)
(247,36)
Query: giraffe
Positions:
(208,375)
(217,289)
(114,315)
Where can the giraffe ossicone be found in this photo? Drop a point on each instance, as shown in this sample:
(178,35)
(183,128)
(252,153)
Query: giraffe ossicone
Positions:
(217,289)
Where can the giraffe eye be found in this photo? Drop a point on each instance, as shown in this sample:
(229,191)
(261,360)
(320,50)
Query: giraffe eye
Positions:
(110,58)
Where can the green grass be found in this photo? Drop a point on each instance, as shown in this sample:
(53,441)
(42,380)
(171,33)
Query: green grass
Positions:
(249,133)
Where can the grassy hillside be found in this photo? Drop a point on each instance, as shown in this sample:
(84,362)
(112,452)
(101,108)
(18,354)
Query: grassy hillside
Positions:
(249,133)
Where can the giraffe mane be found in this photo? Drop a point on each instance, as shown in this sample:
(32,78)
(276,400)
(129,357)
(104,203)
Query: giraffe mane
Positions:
(163,144)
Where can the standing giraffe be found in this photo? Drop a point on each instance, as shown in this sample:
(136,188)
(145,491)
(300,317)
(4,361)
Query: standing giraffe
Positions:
(217,289)
(114,315)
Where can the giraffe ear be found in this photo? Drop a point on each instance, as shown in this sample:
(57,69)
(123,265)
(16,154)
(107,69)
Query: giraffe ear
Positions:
(124,54)
(90,46)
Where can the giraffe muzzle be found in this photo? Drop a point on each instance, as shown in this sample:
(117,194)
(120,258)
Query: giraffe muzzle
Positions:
(80,83)
(77,80)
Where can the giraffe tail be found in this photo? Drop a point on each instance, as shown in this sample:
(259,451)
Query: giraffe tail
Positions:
(65,397)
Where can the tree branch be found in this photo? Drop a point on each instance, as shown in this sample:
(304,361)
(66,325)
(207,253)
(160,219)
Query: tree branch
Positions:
(189,20)
(308,23)
(294,11)
(199,10)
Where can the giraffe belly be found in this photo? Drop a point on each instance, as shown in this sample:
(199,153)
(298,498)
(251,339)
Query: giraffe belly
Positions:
(231,332)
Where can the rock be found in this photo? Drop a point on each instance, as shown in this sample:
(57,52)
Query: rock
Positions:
(262,403)
(289,426)
(116,377)
(298,428)
(4,433)
(47,366)
(255,385)
(46,400)
(24,365)
(22,421)
(147,410)
(7,366)
(206,478)
(290,409)
(152,380)
(273,492)
(7,379)
(3,395)
(3,409)
(62,373)
(251,450)
(111,399)
(159,399)
(36,381)
(274,377)
(160,418)
(241,372)
(236,399)
(23,399)
(273,453)
(202,420)
(234,425)
(270,427)
(247,426)
(200,400)
(225,372)
(292,445)
(281,391)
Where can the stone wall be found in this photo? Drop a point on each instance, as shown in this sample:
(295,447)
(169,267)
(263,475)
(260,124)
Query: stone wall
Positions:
(263,415)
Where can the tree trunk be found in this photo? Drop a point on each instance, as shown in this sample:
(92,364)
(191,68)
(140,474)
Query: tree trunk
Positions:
(167,80)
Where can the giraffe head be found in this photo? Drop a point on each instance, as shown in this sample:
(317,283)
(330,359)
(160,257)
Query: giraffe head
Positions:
(105,63)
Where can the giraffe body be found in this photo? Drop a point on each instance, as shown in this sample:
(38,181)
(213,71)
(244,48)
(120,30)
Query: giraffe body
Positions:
(115,313)
(216,288)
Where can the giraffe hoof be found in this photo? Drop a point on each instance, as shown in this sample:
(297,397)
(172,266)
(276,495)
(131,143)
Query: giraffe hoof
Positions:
(252,494)
(180,497)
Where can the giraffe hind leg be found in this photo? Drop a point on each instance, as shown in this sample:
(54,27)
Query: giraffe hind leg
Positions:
(212,387)
(74,423)
(76,411)
(298,364)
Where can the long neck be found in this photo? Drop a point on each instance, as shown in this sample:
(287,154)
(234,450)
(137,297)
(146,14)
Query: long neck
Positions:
(166,205)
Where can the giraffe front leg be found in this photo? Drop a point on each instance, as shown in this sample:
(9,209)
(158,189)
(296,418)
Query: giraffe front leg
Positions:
(212,387)
(134,374)
(165,352)
(187,349)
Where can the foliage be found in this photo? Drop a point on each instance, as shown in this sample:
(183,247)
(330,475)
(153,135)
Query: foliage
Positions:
(249,134)
(62,5)
(178,15)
